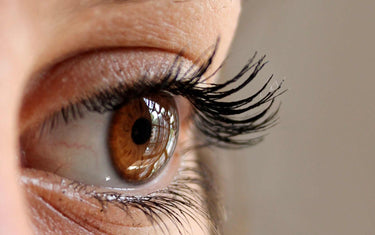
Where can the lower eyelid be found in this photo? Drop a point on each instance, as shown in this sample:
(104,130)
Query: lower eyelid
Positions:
(52,199)
(76,202)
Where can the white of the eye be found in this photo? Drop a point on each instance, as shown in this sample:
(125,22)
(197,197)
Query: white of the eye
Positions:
(79,150)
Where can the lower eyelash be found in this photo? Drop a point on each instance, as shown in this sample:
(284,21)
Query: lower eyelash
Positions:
(179,202)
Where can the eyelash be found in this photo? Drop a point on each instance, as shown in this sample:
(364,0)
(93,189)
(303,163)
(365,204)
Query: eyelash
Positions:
(212,117)
(178,199)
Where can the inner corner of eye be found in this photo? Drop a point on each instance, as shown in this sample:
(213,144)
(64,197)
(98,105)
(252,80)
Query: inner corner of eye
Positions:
(127,147)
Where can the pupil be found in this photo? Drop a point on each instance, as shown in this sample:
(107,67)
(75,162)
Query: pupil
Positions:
(141,131)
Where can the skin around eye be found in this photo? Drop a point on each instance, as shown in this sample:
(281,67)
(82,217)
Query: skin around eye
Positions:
(47,33)
(79,150)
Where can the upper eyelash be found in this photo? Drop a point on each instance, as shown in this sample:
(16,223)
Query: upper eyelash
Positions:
(218,120)
(213,114)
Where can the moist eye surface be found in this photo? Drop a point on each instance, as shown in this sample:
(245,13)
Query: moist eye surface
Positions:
(142,137)
(127,146)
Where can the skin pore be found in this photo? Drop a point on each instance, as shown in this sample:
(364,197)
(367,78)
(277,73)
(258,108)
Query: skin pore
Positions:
(36,35)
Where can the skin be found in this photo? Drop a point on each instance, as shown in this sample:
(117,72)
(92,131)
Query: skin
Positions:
(36,34)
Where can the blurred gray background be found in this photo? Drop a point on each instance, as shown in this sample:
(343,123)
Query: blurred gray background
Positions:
(315,172)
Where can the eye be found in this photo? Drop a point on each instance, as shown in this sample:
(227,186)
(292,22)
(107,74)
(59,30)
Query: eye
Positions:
(118,134)
(129,145)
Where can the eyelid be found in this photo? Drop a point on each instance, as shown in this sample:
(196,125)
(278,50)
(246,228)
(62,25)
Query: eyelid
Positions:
(162,209)
(214,117)
(173,26)
(80,77)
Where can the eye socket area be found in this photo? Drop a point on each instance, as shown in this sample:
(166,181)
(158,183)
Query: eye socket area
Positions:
(78,148)
(97,207)
(83,201)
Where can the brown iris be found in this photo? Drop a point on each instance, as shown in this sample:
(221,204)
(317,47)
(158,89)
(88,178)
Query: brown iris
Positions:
(142,137)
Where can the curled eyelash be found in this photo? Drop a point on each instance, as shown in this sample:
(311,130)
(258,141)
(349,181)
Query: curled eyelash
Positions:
(216,118)
(227,124)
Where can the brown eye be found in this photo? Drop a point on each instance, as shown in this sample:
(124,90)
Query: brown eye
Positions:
(142,137)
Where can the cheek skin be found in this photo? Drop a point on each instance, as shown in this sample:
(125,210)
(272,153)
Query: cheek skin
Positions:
(63,209)
(55,36)
(14,64)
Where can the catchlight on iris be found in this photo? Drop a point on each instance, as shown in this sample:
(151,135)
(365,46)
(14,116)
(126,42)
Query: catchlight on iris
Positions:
(143,136)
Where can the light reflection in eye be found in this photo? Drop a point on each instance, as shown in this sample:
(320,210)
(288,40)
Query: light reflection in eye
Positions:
(153,135)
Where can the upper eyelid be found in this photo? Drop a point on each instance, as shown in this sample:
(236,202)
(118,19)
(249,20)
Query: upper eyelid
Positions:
(214,117)
(171,27)
(82,76)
